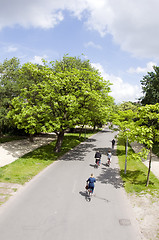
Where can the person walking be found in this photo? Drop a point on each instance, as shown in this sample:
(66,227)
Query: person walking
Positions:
(113,143)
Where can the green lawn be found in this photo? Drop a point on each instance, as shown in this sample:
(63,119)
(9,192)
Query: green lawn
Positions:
(6,138)
(136,175)
(26,167)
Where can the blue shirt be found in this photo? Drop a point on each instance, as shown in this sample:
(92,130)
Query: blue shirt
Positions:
(91,181)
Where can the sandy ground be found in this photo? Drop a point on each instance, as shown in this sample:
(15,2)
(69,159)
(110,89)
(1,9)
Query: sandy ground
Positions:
(146,209)
(10,151)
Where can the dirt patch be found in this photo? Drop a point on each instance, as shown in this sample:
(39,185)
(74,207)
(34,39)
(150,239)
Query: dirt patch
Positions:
(7,190)
(146,211)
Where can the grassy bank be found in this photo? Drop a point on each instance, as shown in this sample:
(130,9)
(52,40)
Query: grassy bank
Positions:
(136,175)
(26,167)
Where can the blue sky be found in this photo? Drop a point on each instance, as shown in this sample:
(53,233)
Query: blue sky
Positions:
(119,37)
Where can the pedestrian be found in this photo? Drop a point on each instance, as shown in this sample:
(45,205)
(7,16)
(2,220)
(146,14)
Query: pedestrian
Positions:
(113,143)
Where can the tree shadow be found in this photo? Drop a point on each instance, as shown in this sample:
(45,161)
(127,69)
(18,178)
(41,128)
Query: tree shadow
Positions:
(90,140)
(134,177)
(78,153)
(110,176)
(105,131)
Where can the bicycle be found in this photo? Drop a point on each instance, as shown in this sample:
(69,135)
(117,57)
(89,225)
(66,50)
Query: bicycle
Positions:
(97,163)
(89,193)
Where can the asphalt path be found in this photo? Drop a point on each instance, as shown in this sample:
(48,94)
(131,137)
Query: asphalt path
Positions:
(55,206)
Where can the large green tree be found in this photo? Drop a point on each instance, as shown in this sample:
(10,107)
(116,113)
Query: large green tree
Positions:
(63,98)
(9,88)
(150,87)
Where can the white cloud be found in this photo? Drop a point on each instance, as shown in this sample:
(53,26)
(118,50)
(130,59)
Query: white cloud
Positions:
(38,59)
(11,49)
(93,45)
(121,91)
(133,24)
(138,70)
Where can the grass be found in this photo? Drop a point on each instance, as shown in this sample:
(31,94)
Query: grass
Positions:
(136,174)
(26,167)
(6,138)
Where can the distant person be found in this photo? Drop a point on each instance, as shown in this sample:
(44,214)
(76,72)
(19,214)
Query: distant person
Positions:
(98,156)
(113,143)
(109,155)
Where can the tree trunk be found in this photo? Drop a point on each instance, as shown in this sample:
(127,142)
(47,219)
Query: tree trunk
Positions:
(148,175)
(59,141)
(31,139)
(126,153)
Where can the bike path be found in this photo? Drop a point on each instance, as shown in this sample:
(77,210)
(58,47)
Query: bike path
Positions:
(54,204)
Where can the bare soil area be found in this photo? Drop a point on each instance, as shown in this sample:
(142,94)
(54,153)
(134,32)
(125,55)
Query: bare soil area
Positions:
(7,190)
(146,211)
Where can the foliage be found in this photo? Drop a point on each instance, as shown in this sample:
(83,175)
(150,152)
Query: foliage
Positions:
(155,149)
(64,96)
(150,87)
(128,106)
(9,89)
(141,125)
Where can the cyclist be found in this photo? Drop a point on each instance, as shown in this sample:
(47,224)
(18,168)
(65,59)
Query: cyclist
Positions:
(98,157)
(109,157)
(91,180)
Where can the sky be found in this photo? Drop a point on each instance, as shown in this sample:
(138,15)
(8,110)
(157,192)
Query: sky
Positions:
(119,37)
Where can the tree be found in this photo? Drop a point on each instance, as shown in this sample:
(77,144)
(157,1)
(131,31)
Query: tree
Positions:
(146,129)
(9,89)
(63,98)
(150,87)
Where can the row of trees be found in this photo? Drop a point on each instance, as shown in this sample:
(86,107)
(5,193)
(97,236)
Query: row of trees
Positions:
(141,124)
(140,121)
(52,97)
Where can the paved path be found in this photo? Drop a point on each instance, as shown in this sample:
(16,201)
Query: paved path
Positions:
(54,205)
(155,160)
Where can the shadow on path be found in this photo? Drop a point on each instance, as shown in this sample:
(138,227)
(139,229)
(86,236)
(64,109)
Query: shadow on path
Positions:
(110,176)
(78,153)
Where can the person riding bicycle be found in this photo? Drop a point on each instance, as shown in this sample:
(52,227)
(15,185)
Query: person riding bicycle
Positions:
(91,180)
(109,156)
(98,157)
